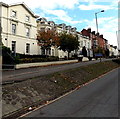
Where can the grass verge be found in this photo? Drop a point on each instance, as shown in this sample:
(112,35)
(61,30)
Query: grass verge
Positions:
(18,97)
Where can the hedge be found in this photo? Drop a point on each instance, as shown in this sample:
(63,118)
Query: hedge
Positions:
(32,60)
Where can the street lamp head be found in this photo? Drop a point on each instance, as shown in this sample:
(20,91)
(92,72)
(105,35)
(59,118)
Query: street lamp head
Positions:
(102,10)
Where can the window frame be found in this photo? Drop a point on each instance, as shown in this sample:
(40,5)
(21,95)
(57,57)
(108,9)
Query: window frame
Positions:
(14,28)
(14,15)
(13,48)
(27,48)
(27,32)
(27,18)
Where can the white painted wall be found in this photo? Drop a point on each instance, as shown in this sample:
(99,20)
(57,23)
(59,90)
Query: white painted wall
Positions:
(21,25)
(84,41)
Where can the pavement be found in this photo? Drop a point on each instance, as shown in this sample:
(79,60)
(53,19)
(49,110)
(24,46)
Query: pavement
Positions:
(29,65)
(23,74)
(97,99)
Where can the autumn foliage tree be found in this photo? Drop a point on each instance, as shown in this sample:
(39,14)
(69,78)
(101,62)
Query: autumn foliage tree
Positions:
(100,50)
(68,42)
(48,38)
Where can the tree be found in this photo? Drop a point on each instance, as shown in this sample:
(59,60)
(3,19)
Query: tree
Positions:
(100,50)
(48,38)
(84,51)
(68,42)
(107,52)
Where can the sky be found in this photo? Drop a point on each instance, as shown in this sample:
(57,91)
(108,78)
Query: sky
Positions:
(79,14)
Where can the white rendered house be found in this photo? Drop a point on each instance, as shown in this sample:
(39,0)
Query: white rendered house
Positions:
(44,25)
(19,28)
(84,41)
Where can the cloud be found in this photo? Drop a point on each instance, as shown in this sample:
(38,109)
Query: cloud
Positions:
(93,4)
(93,1)
(112,38)
(69,4)
(62,15)
(92,7)
(106,26)
(46,4)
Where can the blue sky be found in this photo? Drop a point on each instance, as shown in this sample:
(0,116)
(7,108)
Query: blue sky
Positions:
(79,14)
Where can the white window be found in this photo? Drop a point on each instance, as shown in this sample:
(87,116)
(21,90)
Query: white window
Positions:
(81,43)
(13,28)
(27,32)
(42,29)
(48,29)
(27,48)
(42,22)
(13,46)
(27,18)
(14,14)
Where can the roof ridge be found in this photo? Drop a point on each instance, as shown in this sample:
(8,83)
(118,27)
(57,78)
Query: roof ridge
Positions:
(21,3)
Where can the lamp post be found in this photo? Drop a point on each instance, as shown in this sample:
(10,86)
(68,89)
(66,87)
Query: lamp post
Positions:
(96,19)
(0,46)
(117,35)
(97,23)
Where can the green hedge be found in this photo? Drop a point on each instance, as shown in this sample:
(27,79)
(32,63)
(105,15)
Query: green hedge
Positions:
(32,60)
(21,56)
(7,57)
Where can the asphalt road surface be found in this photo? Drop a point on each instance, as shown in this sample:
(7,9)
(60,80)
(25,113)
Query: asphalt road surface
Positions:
(21,74)
(97,99)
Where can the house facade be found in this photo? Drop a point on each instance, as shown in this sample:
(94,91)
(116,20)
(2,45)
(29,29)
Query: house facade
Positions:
(113,51)
(84,41)
(44,25)
(61,28)
(101,41)
(19,28)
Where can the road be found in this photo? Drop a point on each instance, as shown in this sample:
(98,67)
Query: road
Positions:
(22,74)
(97,99)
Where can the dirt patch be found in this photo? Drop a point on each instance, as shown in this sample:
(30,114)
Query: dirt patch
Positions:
(20,96)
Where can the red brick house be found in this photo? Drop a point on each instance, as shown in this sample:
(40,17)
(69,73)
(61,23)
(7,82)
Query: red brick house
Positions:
(85,32)
(97,40)
(101,41)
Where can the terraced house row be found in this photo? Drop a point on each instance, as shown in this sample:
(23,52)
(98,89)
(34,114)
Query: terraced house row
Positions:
(20,27)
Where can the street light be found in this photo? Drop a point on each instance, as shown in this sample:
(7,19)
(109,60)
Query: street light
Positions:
(96,19)
(117,35)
